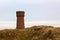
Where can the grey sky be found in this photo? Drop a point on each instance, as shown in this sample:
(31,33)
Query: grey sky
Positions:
(36,10)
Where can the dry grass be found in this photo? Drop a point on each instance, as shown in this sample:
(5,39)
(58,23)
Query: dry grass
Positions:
(33,33)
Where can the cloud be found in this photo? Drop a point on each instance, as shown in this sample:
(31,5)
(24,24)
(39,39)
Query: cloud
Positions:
(12,24)
(55,23)
(7,25)
(35,10)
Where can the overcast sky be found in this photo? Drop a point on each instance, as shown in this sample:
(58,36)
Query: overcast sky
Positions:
(35,10)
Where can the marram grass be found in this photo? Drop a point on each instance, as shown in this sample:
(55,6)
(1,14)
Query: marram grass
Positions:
(33,33)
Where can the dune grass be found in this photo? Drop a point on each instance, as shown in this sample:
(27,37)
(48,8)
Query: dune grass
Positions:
(33,33)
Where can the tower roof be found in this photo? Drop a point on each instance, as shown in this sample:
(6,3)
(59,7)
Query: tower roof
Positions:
(20,13)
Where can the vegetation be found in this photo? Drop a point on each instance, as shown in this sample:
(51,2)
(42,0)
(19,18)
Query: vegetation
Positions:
(33,33)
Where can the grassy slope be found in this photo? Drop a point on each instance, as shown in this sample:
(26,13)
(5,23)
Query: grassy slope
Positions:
(33,33)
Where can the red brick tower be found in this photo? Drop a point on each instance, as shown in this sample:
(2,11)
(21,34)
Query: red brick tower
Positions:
(20,19)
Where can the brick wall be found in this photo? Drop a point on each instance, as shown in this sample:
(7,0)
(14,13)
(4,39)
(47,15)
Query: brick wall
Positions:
(20,19)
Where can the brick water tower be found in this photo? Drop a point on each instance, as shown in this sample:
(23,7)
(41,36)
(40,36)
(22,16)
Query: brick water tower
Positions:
(20,19)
